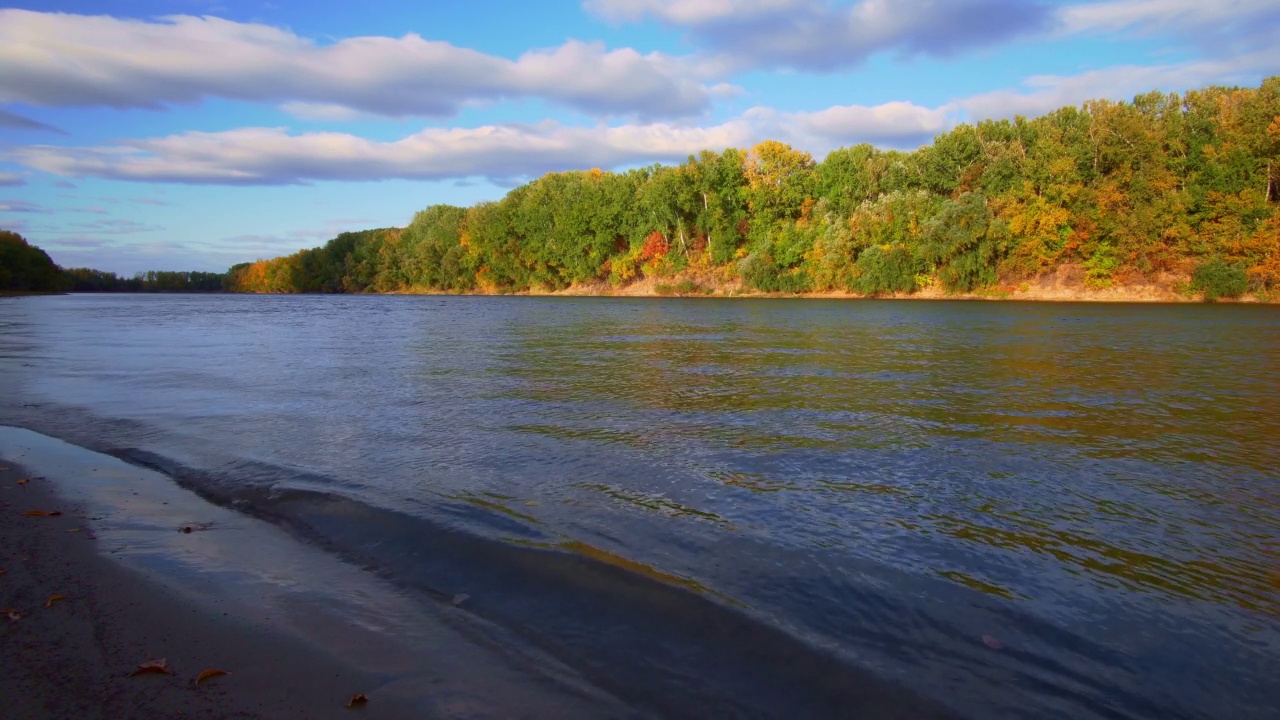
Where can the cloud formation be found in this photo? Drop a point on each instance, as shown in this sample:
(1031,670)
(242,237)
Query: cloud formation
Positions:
(272,156)
(824,36)
(828,35)
(1043,93)
(8,179)
(505,154)
(22,206)
(1223,25)
(501,153)
(63,60)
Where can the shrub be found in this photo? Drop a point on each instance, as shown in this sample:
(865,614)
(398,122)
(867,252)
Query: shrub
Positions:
(888,269)
(1216,279)
(684,287)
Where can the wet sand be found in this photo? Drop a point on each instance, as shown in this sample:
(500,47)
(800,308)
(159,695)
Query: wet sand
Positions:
(299,632)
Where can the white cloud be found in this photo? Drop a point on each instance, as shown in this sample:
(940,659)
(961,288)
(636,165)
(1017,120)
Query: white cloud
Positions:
(8,179)
(272,156)
(262,156)
(507,153)
(1044,93)
(689,12)
(63,60)
(1199,16)
(824,35)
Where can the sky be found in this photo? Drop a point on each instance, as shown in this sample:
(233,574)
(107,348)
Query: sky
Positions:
(194,134)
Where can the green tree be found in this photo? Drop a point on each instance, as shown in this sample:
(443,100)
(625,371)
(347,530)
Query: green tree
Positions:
(26,268)
(966,243)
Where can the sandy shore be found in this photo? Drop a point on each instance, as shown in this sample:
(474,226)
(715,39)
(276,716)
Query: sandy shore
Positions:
(300,633)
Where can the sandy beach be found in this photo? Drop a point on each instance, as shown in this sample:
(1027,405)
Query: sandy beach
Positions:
(101,580)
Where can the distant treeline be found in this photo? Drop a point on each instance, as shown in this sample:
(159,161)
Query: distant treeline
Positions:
(1168,184)
(27,268)
(87,280)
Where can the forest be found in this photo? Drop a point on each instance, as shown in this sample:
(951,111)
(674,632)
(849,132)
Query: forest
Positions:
(1181,186)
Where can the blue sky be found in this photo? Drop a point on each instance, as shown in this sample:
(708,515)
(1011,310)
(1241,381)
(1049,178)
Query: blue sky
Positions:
(193,134)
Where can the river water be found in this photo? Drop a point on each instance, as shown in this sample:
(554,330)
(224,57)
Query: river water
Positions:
(740,507)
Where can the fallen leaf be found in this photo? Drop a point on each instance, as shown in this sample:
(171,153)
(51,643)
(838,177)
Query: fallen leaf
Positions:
(42,513)
(14,615)
(74,530)
(358,700)
(210,673)
(53,599)
(152,667)
(992,643)
(23,481)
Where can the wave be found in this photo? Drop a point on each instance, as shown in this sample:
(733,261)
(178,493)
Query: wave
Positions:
(652,638)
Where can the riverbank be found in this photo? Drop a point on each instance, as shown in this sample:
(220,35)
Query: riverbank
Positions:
(1064,284)
(108,567)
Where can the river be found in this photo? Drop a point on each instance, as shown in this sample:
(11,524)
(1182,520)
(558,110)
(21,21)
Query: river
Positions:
(740,507)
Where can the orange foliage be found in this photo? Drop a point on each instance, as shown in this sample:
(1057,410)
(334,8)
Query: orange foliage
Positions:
(655,247)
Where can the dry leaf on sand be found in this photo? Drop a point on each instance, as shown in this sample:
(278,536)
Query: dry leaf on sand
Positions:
(210,673)
(152,667)
(23,481)
(358,700)
(53,599)
(42,513)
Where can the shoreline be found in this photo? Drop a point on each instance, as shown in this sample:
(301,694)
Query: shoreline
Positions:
(1062,287)
(299,632)
(504,640)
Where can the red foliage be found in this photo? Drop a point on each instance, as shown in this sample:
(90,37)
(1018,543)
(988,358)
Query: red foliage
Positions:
(655,247)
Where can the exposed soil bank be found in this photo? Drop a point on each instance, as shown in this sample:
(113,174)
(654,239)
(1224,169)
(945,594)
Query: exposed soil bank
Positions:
(1065,284)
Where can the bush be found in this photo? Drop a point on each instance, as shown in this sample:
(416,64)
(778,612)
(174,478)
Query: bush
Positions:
(888,269)
(966,242)
(1100,266)
(684,287)
(1216,279)
(762,273)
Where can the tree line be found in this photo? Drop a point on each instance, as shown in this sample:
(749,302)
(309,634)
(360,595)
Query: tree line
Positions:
(1167,185)
(27,268)
(1183,184)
